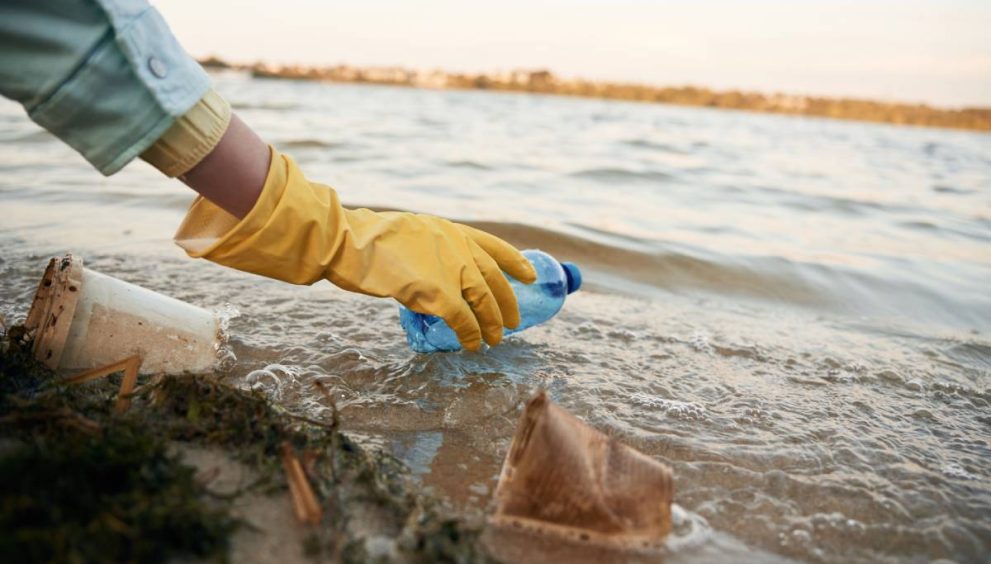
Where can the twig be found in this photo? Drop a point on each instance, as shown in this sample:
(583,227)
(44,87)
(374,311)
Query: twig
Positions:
(101,371)
(129,365)
(127,386)
(304,503)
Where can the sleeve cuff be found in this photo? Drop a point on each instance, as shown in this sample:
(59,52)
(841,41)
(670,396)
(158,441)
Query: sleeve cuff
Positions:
(192,136)
(126,92)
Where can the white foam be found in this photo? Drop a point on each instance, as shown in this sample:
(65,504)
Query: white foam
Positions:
(671,408)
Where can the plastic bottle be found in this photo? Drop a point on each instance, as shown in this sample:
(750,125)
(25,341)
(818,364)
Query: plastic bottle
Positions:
(538,302)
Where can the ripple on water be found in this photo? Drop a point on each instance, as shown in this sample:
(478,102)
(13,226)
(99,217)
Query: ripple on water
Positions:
(622,175)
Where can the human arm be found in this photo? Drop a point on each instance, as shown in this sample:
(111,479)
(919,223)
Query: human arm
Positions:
(106,77)
(299,232)
(233,173)
(258,213)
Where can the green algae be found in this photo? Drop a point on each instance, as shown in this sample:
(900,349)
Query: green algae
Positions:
(76,485)
(80,482)
(115,496)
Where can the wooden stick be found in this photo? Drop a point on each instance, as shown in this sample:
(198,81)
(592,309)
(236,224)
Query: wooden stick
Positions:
(129,365)
(304,503)
(127,386)
(100,372)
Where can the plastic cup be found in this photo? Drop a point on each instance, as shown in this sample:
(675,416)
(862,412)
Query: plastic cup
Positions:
(81,319)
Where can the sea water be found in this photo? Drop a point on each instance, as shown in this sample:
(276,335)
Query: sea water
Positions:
(792,313)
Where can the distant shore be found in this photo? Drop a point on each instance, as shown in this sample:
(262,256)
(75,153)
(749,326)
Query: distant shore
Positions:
(545,82)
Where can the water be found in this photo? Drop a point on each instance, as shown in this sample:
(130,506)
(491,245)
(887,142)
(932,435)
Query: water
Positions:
(792,313)
(537,302)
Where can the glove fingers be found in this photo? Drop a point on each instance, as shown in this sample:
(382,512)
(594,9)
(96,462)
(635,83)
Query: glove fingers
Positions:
(476,292)
(499,286)
(462,321)
(505,255)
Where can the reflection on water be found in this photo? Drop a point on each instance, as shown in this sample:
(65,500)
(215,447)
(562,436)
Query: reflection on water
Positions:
(791,313)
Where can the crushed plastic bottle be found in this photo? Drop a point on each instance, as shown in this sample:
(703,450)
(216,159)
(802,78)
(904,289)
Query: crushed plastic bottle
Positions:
(538,302)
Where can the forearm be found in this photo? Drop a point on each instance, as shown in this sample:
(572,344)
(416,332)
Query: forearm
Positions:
(105,76)
(233,173)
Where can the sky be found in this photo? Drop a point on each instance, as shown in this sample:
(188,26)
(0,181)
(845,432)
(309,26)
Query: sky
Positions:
(932,51)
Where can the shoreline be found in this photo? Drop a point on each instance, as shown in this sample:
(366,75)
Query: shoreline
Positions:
(192,471)
(545,82)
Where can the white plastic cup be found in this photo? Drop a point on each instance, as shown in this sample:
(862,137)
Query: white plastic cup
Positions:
(81,319)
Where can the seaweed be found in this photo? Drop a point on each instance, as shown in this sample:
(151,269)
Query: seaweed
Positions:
(83,482)
(113,496)
(364,494)
(75,487)
(19,373)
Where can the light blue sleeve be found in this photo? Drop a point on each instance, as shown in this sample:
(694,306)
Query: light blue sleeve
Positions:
(105,76)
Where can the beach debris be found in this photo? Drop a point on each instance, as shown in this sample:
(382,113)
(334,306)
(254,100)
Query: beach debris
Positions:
(62,415)
(304,503)
(565,481)
(136,465)
(81,319)
(130,366)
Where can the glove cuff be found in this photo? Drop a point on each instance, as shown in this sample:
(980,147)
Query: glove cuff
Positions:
(207,227)
(290,234)
(191,137)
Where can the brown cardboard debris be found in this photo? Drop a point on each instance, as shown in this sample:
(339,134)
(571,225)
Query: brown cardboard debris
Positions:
(563,479)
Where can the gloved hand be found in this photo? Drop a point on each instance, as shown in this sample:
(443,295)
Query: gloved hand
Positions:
(298,232)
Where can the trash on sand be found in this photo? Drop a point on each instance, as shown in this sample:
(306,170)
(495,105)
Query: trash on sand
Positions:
(565,480)
(81,319)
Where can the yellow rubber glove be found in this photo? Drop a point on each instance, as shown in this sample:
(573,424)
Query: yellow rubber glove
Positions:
(298,232)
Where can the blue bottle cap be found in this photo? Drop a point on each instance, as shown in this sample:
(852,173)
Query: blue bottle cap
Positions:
(574,276)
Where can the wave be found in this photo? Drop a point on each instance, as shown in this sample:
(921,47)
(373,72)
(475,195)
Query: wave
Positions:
(621,175)
(618,263)
(825,203)
(952,190)
(661,266)
(655,146)
(623,259)
(979,233)
(973,354)
(472,165)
